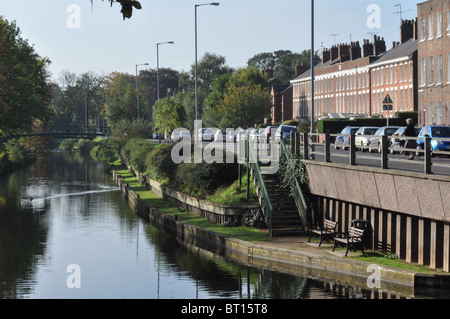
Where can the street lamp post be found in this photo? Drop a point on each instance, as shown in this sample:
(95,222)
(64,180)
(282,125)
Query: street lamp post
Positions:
(157,66)
(196,77)
(137,90)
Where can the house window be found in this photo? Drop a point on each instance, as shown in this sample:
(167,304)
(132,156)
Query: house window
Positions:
(423,72)
(439,70)
(430,28)
(401,72)
(422,30)
(448,23)
(439,114)
(431,66)
(439,25)
(448,69)
(431,114)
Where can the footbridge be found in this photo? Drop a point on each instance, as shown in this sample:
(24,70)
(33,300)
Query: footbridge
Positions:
(61,132)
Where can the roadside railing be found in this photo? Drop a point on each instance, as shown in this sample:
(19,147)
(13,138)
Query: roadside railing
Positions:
(318,146)
(297,192)
(260,186)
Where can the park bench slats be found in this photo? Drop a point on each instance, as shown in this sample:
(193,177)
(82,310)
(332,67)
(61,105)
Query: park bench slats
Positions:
(326,231)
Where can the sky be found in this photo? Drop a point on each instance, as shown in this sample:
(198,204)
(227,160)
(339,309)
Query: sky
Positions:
(79,37)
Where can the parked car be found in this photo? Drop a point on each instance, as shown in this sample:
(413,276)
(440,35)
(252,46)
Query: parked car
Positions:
(220,136)
(231,136)
(397,143)
(375,141)
(362,136)
(345,140)
(206,134)
(284,132)
(179,134)
(256,135)
(242,135)
(268,133)
(435,132)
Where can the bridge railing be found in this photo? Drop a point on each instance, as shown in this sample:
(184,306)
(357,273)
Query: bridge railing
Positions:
(318,146)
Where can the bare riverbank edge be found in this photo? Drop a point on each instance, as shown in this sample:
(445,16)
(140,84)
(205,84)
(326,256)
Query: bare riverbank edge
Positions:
(312,263)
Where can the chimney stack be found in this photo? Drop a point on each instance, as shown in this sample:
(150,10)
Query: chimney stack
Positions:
(367,48)
(326,56)
(407,30)
(344,52)
(355,50)
(299,69)
(379,46)
(268,72)
(334,53)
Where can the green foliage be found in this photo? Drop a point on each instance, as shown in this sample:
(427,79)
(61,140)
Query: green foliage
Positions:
(292,169)
(24,92)
(244,106)
(126,129)
(168,115)
(283,62)
(127,7)
(197,179)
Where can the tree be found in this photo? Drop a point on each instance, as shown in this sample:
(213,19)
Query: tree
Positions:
(121,91)
(127,6)
(24,90)
(209,68)
(283,62)
(215,112)
(168,79)
(244,106)
(168,115)
(79,100)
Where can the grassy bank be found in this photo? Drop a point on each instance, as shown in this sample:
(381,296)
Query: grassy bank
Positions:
(241,232)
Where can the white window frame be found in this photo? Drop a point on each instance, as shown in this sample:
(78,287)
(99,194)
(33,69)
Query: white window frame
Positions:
(440,72)
(439,25)
(431,71)
(430,27)
(423,35)
(423,72)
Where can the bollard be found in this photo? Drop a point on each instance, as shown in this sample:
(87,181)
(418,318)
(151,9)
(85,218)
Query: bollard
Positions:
(327,148)
(384,151)
(352,150)
(427,155)
(305,146)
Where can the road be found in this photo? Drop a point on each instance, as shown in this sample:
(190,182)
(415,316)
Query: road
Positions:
(440,163)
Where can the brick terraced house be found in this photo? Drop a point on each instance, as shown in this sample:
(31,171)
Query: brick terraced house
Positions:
(354,80)
(433,18)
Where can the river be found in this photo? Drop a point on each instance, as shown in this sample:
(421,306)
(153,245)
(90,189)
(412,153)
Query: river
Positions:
(67,233)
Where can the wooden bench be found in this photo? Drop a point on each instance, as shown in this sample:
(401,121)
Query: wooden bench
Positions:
(353,239)
(327,231)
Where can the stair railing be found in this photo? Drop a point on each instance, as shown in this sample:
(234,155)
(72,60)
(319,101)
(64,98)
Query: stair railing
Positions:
(297,192)
(260,186)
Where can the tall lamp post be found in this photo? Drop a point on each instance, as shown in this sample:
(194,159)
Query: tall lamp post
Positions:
(196,77)
(157,66)
(137,89)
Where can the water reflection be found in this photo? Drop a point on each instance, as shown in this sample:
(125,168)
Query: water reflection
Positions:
(66,211)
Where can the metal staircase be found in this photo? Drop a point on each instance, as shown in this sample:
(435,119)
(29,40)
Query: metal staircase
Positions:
(285,214)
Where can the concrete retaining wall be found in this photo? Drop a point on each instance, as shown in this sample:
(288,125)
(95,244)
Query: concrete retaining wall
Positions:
(343,270)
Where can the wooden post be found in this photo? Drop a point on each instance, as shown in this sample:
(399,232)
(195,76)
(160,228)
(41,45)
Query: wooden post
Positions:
(398,237)
(433,237)
(408,239)
(420,247)
(446,253)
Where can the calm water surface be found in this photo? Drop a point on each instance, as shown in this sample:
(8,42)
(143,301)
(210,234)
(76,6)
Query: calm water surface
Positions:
(66,232)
